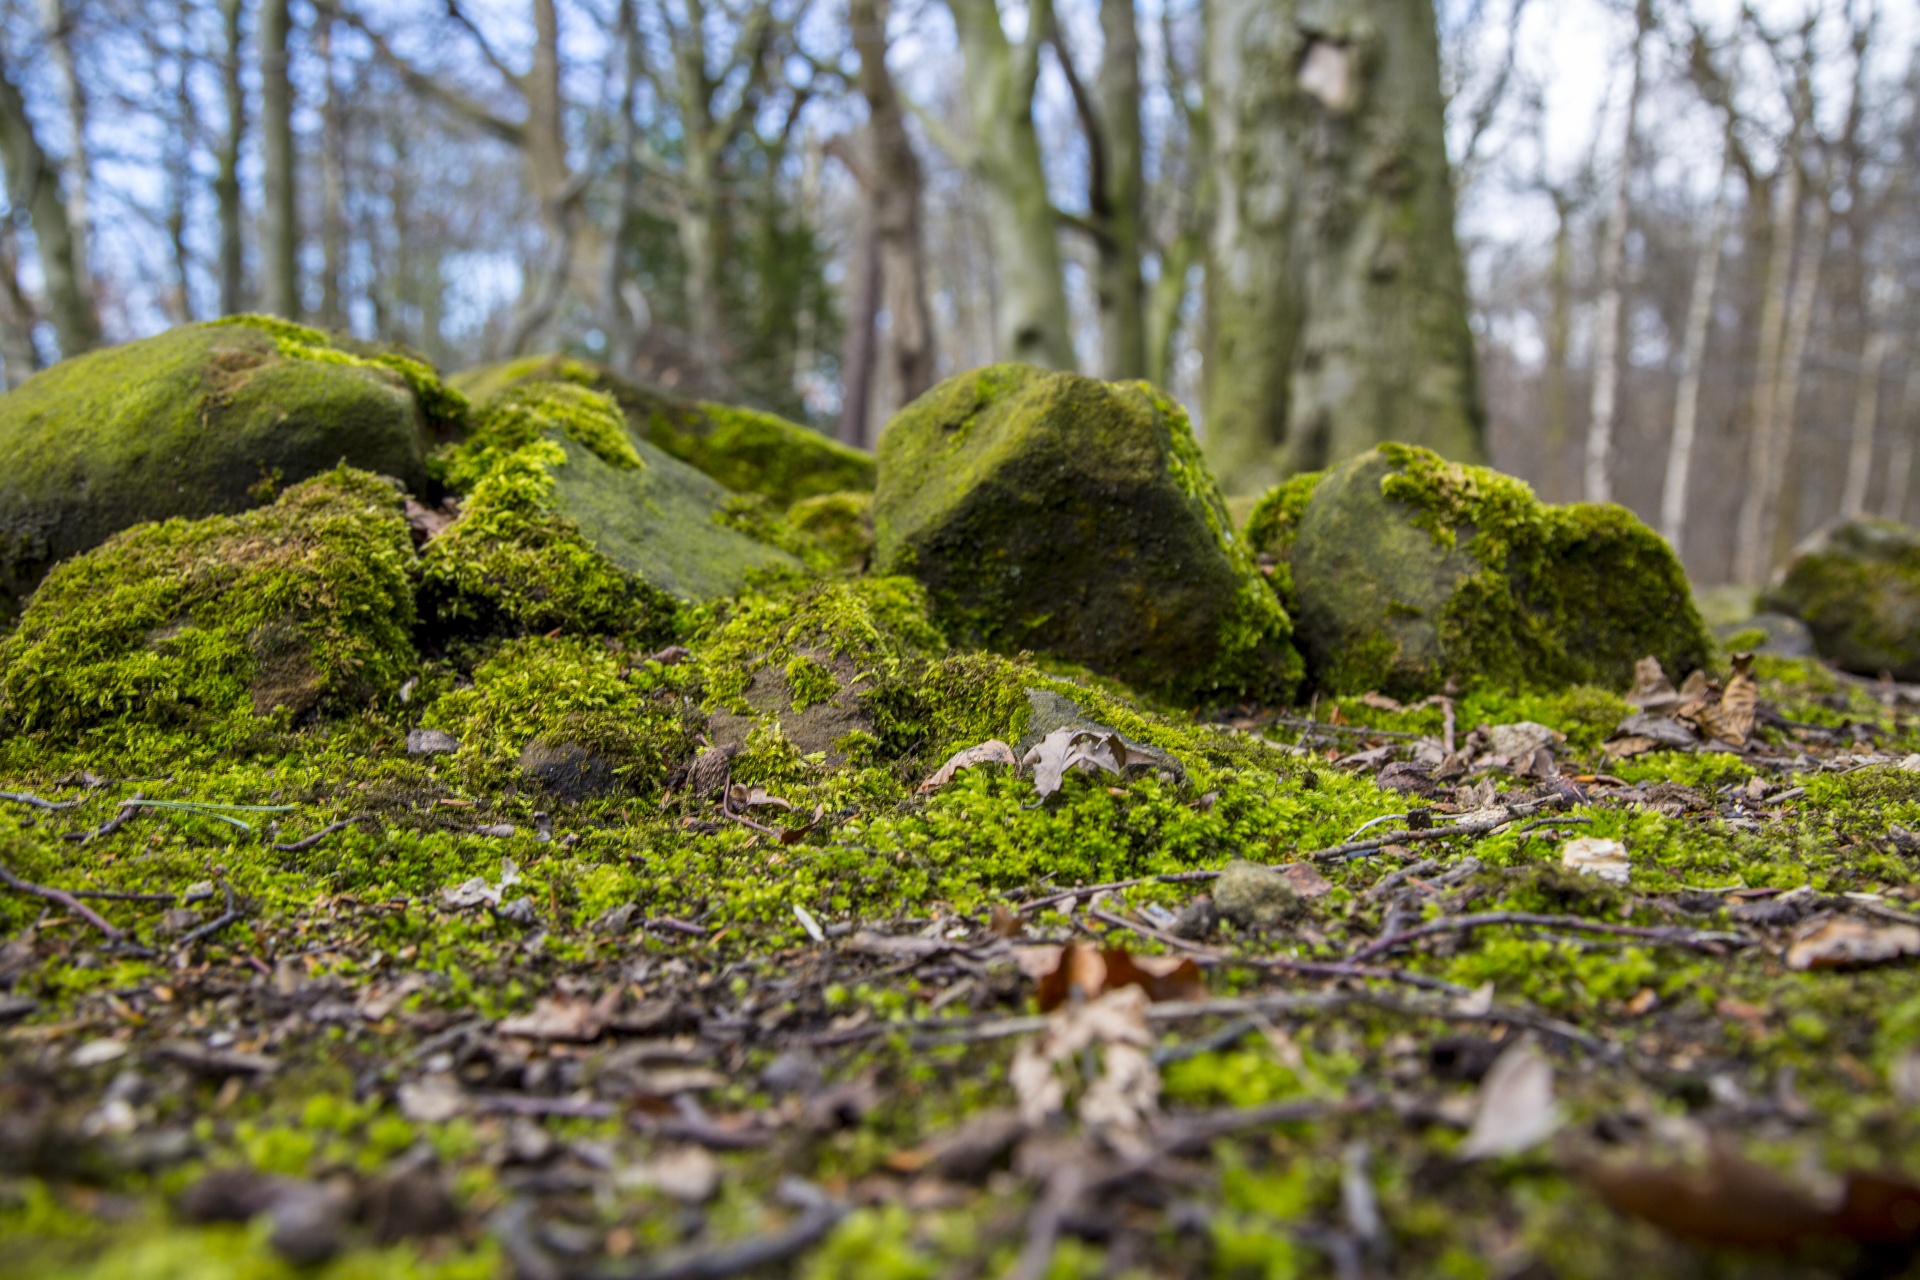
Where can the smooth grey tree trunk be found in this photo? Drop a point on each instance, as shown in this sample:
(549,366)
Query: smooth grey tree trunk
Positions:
(1122,291)
(333,177)
(1893,502)
(77,168)
(280,213)
(1336,306)
(1693,358)
(1866,402)
(226,182)
(1750,533)
(33,183)
(1597,478)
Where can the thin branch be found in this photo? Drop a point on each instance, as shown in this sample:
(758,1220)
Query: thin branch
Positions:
(1699,941)
(61,897)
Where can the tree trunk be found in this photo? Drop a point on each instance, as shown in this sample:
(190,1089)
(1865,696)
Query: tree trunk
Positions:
(1122,292)
(1779,514)
(181,179)
(1597,483)
(862,341)
(1750,545)
(77,170)
(1000,76)
(33,184)
(333,162)
(1337,309)
(1693,358)
(280,223)
(1866,401)
(1893,502)
(621,320)
(226,182)
(1557,379)
(17,352)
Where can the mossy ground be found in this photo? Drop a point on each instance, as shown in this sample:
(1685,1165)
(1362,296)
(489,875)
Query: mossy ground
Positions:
(348,959)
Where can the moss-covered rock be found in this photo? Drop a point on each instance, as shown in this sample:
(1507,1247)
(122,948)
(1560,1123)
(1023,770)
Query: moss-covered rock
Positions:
(744,449)
(1052,512)
(1857,587)
(204,419)
(570,521)
(1407,570)
(219,624)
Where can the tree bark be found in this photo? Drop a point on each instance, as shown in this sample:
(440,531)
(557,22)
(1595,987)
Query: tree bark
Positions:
(1750,539)
(1893,502)
(1597,483)
(33,184)
(77,169)
(1000,77)
(1693,358)
(226,182)
(858,353)
(1336,309)
(280,221)
(1866,401)
(1122,292)
(333,176)
(1781,508)
(17,351)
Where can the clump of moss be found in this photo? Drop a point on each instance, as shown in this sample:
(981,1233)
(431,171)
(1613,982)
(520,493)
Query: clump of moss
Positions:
(840,525)
(445,409)
(566,691)
(1858,590)
(212,623)
(1272,526)
(1409,569)
(529,412)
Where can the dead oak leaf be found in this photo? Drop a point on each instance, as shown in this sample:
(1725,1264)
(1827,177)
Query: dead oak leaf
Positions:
(1515,1108)
(1060,971)
(1652,691)
(1088,750)
(741,796)
(1843,942)
(992,751)
(563,1018)
(1731,719)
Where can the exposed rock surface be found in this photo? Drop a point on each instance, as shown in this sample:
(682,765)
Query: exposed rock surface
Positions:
(746,450)
(201,420)
(1404,570)
(1052,512)
(1857,587)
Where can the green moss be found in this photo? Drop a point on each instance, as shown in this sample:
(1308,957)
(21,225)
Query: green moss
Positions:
(446,409)
(531,411)
(1858,590)
(840,525)
(212,623)
(1410,569)
(1052,512)
(1272,526)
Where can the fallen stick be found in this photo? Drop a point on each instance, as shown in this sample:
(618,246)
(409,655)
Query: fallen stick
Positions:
(122,814)
(1676,937)
(37,802)
(307,842)
(63,898)
(1086,891)
(227,917)
(818,1214)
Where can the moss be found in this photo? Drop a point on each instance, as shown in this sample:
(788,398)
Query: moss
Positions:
(1271,527)
(446,409)
(1410,569)
(1056,513)
(840,525)
(185,424)
(529,412)
(1858,590)
(220,622)
(746,450)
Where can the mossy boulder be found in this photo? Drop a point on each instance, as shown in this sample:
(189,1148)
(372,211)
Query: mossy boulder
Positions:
(744,449)
(223,625)
(1857,587)
(568,520)
(1056,513)
(201,420)
(1405,571)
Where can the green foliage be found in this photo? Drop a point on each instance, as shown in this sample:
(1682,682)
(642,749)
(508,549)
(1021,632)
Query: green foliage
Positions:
(529,411)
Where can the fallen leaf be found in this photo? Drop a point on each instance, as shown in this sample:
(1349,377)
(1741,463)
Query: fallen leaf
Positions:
(1843,942)
(1124,1092)
(741,796)
(563,1018)
(1731,721)
(1731,1202)
(1652,691)
(1306,879)
(1088,750)
(1515,1109)
(992,751)
(477,891)
(1597,856)
(1060,971)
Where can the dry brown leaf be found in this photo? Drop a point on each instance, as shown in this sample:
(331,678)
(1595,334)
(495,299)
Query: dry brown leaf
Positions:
(1625,748)
(1306,880)
(1381,702)
(1696,687)
(1842,942)
(1060,971)
(1731,1202)
(1088,750)
(1652,691)
(1124,1093)
(1731,720)
(1515,1109)
(563,1018)
(992,751)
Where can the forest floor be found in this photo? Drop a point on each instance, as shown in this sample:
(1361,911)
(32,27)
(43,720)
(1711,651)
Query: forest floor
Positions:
(384,1022)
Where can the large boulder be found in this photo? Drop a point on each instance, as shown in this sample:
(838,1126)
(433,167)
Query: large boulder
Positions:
(570,520)
(744,449)
(1056,513)
(1405,570)
(208,626)
(1857,587)
(204,419)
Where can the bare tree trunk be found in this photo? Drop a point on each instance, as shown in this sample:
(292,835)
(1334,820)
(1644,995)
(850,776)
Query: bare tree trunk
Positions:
(17,351)
(1122,292)
(1597,485)
(1782,505)
(1750,538)
(857,360)
(33,184)
(620,319)
(1866,402)
(1556,389)
(78,167)
(1167,300)
(180,177)
(333,171)
(280,221)
(1893,502)
(1337,308)
(226,183)
(1000,77)
(1693,359)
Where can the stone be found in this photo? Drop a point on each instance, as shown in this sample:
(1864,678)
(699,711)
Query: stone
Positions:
(431,742)
(202,420)
(1777,635)
(746,450)
(1405,571)
(1856,586)
(1253,896)
(1056,513)
(567,770)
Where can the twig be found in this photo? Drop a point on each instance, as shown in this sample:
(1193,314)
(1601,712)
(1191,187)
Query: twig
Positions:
(819,1214)
(1573,821)
(109,895)
(28,798)
(1394,879)
(1447,726)
(667,924)
(227,917)
(1065,1185)
(1358,730)
(63,898)
(307,842)
(726,808)
(1374,822)
(521,1104)
(122,814)
(1354,848)
(1087,891)
(1676,937)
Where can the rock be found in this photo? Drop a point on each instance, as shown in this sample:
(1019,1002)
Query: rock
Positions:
(1777,635)
(569,520)
(1856,585)
(567,770)
(1253,896)
(1406,570)
(202,420)
(744,449)
(430,742)
(217,623)
(1052,512)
